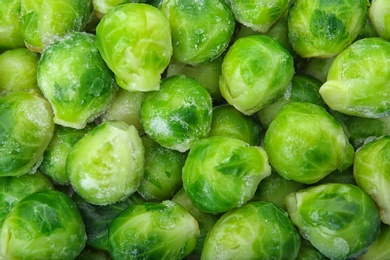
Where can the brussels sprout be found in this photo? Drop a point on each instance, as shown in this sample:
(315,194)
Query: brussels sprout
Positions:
(304,88)
(257,230)
(207,74)
(106,165)
(222,173)
(14,189)
(26,128)
(379,12)
(18,70)
(179,114)
(371,171)
(323,29)
(380,249)
(82,86)
(10,25)
(340,220)
(135,41)
(275,188)
(162,175)
(44,21)
(125,107)
(317,68)
(97,219)
(250,82)
(228,121)
(205,220)
(305,143)
(308,252)
(259,15)
(44,225)
(101,7)
(201,30)
(153,231)
(357,82)
(54,157)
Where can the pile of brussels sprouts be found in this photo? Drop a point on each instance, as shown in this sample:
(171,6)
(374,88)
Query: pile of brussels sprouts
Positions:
(194,129)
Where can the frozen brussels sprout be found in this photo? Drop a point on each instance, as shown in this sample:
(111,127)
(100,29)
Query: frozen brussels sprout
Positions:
(379,13)
(179,114)
(205,220)
(380,249)
(10,25)
(26,128)
(97,219)
(18,70)
(259,15)
(228,121)
(222,173)
(162,175)
(106,165)
(101,7)
(305,143)
(207,74)
(304,88)
(371,170)
(250,82)
(275,188)
(44,21)
(125,107)
(135,41)
(54,157)
(323,29)
(44,225)
(201,30)
(357,82)
(14,189)
(340,220)
(153,231)
(75,79)
(257,230)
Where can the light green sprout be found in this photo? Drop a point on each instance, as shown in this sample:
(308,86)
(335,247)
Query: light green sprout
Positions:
(250,82)
(106,165)
(10,25)
(101,7)
(340,220)
(379,14)
(135,41)
(379,250)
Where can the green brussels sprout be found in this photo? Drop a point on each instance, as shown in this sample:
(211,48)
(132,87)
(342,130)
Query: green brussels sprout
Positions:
(305,143)
(378,13)
(106,165)
(179,114)
(257,230)
(44,225)
(43,21)
(125,107)
(304,88)
(75,79)
(135,41)
(201,30)
(258,15)
(371,171)
(317,68)
(18,70)
(357,81)
(101,7)
(97,219)
(207,74)
(340,220)
(14,189)
(323,29)
(380,249)
(205,220)
(308,252)
(54,157)
(222,173)
(275,188)
(250,82)
(228,121)
(153,231)
(162,174)
(26,128)
(10,25)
